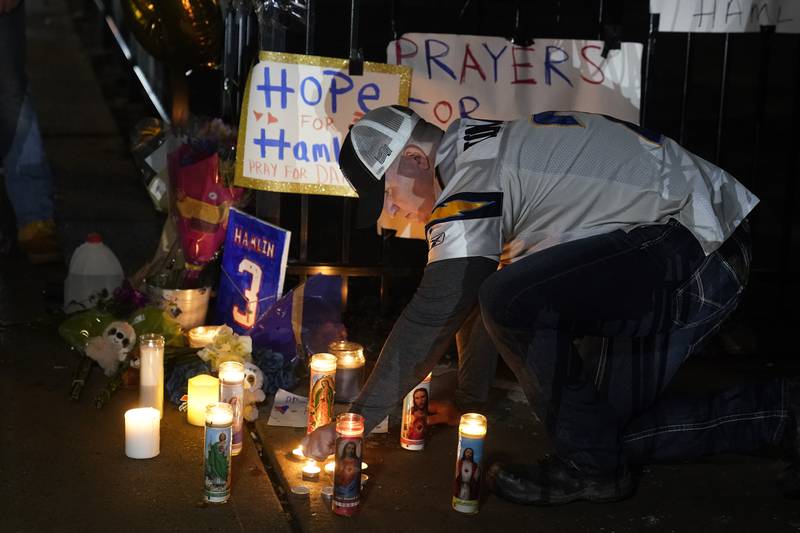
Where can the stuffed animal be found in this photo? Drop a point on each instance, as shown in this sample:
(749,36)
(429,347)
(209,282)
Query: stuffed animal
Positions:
(112,347)
(253,393)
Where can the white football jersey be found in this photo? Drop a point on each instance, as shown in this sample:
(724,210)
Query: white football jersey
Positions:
(515,188)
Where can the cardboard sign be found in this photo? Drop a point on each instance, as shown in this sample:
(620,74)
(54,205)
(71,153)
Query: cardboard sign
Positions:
(492,78)
(295,114)
(726,16)
(253,268)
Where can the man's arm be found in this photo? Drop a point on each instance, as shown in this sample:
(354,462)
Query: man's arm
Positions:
(447,293)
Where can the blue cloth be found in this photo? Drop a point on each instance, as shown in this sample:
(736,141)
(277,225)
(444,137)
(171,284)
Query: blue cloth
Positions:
(650,298)
(177,383)
(278,372)
(28,177)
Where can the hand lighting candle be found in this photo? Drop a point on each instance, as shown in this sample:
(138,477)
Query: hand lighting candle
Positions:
(349,369)
(231,390)
(347,470)
(469,471)
(414,429)
(321,390)
(202,336)
(151,371)
(142,433)
(203,390)
(217,452)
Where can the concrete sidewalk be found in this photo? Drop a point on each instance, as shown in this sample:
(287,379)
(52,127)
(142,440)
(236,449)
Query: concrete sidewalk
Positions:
(63,466)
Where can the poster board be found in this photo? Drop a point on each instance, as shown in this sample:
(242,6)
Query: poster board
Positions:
(726,16)
(493,78)
(296,112)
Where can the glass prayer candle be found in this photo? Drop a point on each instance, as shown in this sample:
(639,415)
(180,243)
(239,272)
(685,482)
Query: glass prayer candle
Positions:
(347,469)
(151,371)
(202,336)
(142,433)
(321,390)
(414,428)
(231,390)
(467,486)
(349,369)
(203,390)
(217,452)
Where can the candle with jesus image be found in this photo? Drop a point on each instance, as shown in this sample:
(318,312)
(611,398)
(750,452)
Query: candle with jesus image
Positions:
(469,471)
(321,390)
(414,428)
(217,452)
(346,499)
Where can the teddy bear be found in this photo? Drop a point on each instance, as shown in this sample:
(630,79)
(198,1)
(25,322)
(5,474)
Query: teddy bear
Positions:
(253,393)
(112,347)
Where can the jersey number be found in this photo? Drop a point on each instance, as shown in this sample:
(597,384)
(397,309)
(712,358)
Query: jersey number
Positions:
(247,317)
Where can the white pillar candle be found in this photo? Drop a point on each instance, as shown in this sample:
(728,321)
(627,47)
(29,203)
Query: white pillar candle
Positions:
(203,390)
(231,391)
(142,433)
(151,371)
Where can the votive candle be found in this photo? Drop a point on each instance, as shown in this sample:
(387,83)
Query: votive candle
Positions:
(467,488)
(349,369)
(346,499)
(321,390)
(217,452)
(151,371)
(231,390)
(202,336)
(414,428)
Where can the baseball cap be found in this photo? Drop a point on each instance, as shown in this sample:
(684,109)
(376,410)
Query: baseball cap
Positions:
(371,146)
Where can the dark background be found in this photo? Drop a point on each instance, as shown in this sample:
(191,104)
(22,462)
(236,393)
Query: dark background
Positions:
(733,99)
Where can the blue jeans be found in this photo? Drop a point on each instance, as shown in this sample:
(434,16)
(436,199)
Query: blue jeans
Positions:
(650,298)
(27,174)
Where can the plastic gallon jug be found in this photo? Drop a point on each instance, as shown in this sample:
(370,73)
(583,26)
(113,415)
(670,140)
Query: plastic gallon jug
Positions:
(92,269)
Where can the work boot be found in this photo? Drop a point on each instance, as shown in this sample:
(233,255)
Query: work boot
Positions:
(38,241)
(789,479)
(556,481)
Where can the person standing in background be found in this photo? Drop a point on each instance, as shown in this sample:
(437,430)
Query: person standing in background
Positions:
(28,178)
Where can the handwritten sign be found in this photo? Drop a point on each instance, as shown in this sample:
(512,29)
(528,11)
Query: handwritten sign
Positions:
(297,110)
(492,78)
(727,16)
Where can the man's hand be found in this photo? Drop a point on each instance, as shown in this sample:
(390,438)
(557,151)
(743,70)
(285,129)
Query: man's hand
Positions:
(6,6)
(319,443)
(443,412)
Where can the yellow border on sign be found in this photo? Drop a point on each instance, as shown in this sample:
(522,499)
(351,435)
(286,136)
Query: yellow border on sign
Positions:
(241,180)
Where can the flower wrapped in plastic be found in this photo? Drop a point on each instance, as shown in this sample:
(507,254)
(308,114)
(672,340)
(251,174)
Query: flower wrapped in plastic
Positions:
(200,172)
(227,346)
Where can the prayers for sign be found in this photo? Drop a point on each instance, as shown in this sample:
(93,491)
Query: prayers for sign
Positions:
(296,112)
(492,78)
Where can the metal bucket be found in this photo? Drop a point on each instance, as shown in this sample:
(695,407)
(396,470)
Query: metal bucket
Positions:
(188,306)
